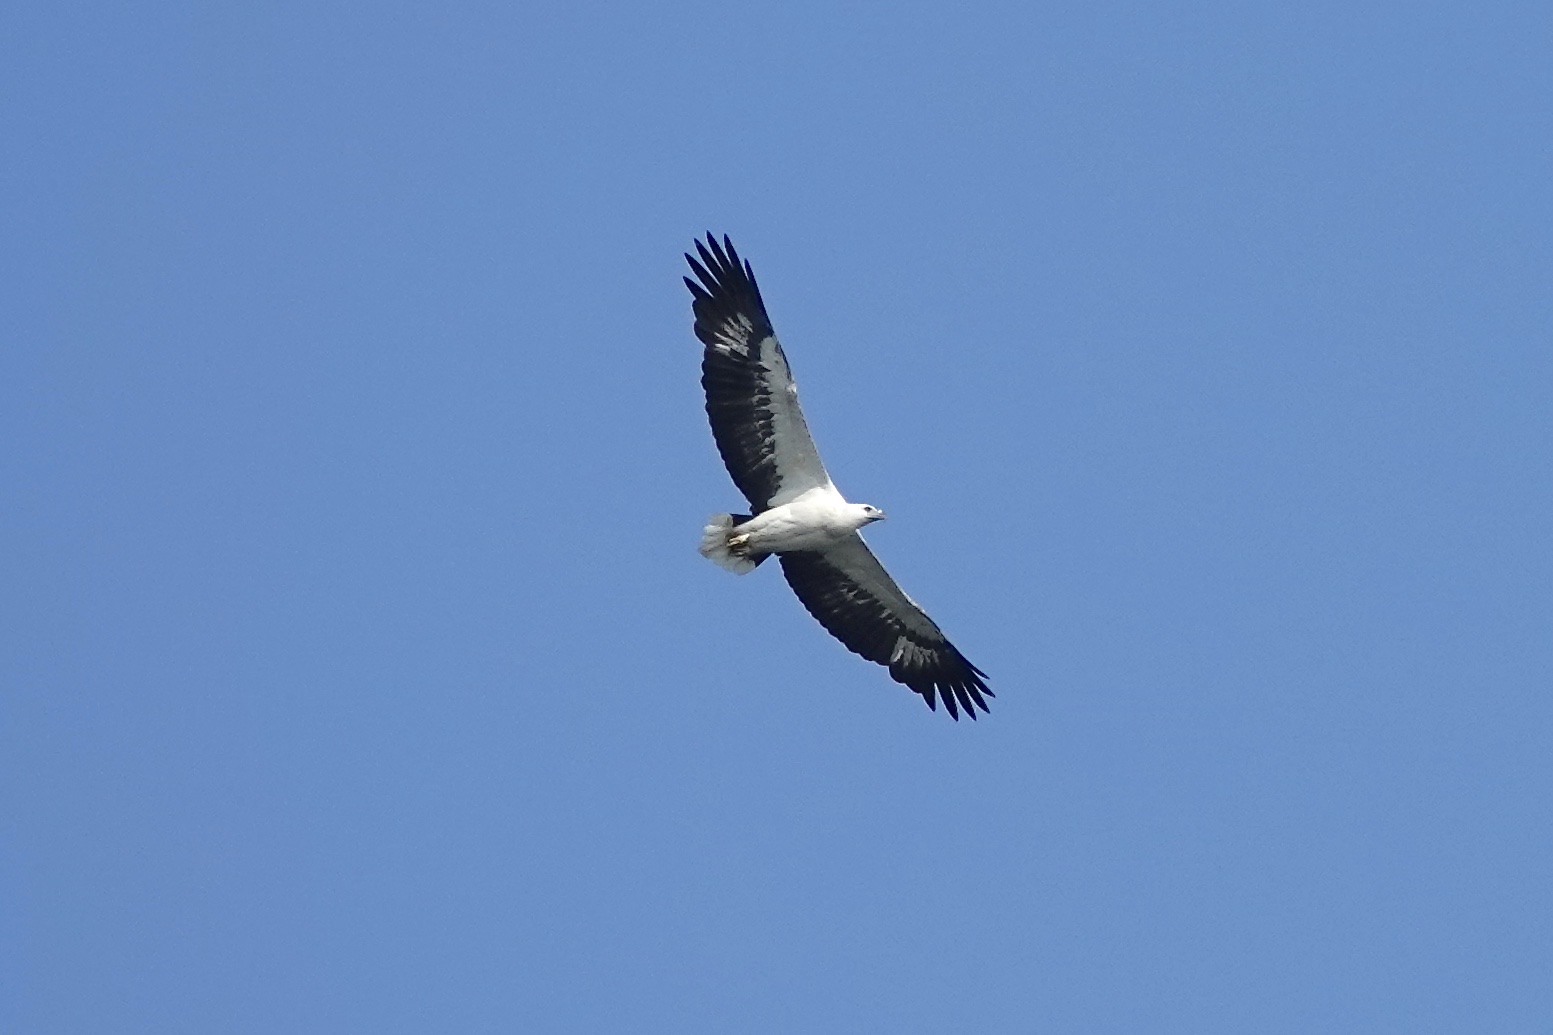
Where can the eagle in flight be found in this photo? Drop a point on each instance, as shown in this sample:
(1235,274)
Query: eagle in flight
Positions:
(796,512)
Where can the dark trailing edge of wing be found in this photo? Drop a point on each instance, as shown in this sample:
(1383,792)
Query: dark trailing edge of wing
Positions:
(729,311)
(867,627)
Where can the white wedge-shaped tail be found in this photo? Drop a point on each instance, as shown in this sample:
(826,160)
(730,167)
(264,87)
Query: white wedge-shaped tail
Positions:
(715,548)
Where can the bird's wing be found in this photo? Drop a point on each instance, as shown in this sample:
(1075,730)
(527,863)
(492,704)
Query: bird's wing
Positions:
(852,596)
(750,396)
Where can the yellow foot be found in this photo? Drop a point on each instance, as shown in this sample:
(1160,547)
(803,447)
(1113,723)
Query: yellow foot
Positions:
(736,541)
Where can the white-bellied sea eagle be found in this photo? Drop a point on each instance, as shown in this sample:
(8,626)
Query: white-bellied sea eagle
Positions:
(796,511)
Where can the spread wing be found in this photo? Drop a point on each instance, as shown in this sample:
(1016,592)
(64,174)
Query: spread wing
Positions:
(854,598)
(750,396)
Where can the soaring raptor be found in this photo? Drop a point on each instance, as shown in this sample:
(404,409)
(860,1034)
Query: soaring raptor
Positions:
(796,512)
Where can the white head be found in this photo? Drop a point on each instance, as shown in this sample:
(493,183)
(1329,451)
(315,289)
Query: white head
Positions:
(866,514)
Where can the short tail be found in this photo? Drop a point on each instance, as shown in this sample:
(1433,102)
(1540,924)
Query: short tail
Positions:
(715,548)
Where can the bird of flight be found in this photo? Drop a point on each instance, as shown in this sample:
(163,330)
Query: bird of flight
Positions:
(796,512)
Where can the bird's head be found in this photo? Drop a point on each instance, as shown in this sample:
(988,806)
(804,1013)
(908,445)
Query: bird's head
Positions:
(868,514)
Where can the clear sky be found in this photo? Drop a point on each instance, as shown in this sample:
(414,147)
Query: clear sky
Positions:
(359,672)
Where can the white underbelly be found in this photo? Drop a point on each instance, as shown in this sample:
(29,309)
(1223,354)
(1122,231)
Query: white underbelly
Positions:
(800,525)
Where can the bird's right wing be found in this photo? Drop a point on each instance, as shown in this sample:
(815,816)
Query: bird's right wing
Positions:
(750,396)
(848,591)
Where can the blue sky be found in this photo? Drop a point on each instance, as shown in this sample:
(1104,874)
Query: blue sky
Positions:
(359,670)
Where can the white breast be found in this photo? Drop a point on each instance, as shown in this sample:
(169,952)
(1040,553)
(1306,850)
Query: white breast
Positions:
(813,521)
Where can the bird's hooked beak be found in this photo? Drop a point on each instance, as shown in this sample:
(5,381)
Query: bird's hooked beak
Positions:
(878,515)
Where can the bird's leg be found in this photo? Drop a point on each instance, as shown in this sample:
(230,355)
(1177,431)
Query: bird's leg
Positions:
(736,542)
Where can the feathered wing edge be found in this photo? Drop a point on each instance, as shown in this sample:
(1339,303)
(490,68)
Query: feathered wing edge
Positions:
(731,321)
(751,404)
(848,591)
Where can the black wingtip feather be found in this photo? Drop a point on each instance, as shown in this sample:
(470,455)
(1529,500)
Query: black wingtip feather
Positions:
(727,288)
(949,704)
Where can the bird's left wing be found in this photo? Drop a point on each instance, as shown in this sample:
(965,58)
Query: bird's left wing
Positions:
(848,591)
(750,396)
